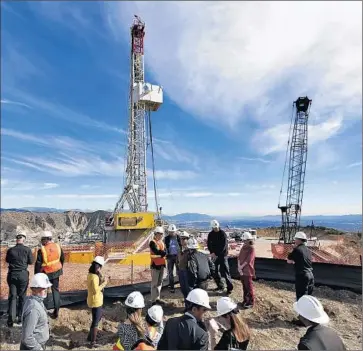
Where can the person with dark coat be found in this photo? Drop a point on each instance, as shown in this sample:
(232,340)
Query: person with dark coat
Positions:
(300,257)
(173,247)
(18,258)
(199,267)
(218,247)
(188,332)
(237,336)
(318,336)
(50,260)
(183,258)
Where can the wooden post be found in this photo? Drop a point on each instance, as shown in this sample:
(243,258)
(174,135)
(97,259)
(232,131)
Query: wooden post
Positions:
(132,271)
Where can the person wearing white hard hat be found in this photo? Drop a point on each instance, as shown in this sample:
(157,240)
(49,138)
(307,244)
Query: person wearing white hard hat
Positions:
(18,258)
(133,328)
(246,269)
(35,325)
(188,332)
(217,243)
(183,264)
(300,257)
(200,267)
(318,336)
(95,286)
(237,336)
(50,260)
(173,247)
(154,324)
(158,264)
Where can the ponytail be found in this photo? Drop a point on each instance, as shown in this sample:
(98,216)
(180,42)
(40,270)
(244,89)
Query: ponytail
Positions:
(239,327)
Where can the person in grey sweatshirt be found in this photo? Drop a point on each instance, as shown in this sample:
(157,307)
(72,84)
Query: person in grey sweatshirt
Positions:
(35,326)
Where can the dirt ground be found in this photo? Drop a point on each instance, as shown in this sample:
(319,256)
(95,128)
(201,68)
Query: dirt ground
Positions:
(269,319)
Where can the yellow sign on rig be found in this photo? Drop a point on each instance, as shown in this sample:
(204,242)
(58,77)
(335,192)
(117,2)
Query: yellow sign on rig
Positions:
(139,220)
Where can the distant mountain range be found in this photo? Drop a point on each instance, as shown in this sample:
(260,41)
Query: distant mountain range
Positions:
(199,217)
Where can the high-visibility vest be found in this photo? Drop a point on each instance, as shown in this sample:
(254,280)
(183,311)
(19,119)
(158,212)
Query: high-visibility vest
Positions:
(118,346)
(143,345)
(51,253)
(157,259)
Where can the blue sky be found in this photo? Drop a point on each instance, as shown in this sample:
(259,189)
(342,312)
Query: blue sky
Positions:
(229,71)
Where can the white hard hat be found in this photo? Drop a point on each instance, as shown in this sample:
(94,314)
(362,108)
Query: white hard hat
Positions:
(300,235)
(21,232)
(159,230)
(199,297)
(192,243)
(47,234)
(100,260)
(156,313)
(247,236)
(225,305)
(184,234)
(310,308)
(135,300)
(40,280)
(214,224)
(172,228)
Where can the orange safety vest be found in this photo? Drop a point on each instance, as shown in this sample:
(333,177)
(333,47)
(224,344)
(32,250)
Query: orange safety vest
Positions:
(144,345)
(157,259)
(51,258)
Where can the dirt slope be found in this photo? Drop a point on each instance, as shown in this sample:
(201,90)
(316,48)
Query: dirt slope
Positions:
(268,320)
(60,224)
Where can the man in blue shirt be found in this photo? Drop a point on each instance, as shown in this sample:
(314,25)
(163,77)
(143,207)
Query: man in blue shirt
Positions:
(173,247)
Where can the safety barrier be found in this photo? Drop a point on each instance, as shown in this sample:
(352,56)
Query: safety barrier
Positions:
(131,271)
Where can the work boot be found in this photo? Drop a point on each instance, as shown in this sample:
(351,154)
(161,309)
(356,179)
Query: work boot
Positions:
(10,323)
(18,320)
(93,343)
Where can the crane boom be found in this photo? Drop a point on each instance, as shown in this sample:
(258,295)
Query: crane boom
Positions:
(291,210)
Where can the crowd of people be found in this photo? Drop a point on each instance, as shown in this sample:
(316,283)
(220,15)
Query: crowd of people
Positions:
(177,251)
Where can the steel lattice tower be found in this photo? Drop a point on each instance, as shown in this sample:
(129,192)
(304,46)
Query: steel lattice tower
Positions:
(298,151)
(135,190)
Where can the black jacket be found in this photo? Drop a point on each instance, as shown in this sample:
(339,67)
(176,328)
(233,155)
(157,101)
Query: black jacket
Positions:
(18,258)
(184,333)
(156,251)
(217,243)
(200,268)
(228,340)
(39,262)
(167,243)
(319,338)
(301,255)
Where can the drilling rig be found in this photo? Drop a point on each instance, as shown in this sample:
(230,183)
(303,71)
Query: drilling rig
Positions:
(296,155)
(127,224)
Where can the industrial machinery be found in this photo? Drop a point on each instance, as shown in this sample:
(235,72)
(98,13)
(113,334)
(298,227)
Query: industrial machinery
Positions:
(126,224)
(296,153)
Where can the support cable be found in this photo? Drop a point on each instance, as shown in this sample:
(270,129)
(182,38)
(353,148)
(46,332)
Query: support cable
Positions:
(286,155)
(153,165)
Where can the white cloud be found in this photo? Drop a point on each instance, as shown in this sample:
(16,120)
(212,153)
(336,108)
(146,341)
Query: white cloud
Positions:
(275,139)
(84,196)
(9,102)
(255,159)
(173,175)
(355,164)
(244,54)
(4,182)
(170,152)
(59,111)
(50,185)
